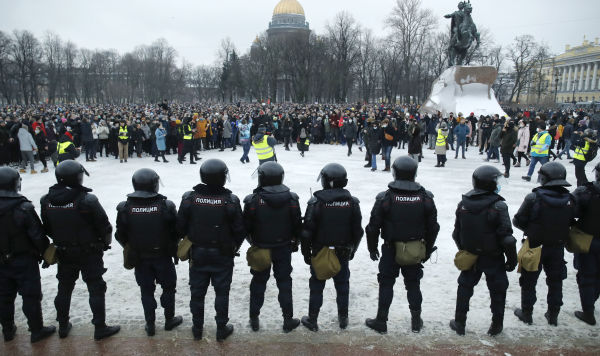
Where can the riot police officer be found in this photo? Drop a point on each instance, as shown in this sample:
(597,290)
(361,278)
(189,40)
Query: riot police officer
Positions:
(332,220)
(77,224)
(211,217)
(273,221)
(146,229)
(22,242)
(482,227)
(545,217)
(587,198)
(405,213)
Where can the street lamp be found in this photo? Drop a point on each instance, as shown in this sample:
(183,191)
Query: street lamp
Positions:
(555,86)
(575,82)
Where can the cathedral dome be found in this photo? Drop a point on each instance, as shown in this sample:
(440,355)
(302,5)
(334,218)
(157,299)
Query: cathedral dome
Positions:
(286,7)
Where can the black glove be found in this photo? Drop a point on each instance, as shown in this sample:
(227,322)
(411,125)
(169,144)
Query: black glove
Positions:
(429,252)
(374,255)
(45,265)
(294,245)
(307,259)
(511,258)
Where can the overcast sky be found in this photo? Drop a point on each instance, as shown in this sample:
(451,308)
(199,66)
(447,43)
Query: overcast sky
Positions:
(195,28)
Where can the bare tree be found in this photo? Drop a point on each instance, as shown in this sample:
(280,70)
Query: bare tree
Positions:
(367,65)
(523,53)
(26,54)
(344,34)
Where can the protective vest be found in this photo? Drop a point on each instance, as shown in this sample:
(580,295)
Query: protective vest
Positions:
(335,222)
(550,223)
(68,226)
(123,135)
(441,139)
(404,218)
(189,134)
(589,222)
(263,150)
(273,226)
(13,240)
(581,152)
(148,231)
(62,149)
(208,225)
(478,230)
(538,143)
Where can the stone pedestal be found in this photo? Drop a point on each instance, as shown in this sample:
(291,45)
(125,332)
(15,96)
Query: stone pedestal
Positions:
(465,89)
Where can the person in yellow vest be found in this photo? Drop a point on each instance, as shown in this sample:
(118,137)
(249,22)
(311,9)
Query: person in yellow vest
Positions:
(66,148)
(264,146)
(123,141)
(441,144)
(188,141)
(540,147)
(580,158)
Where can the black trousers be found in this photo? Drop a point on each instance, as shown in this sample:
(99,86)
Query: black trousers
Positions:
(553,263)
(282,269)
(152,271)
(21,275)
(91,266)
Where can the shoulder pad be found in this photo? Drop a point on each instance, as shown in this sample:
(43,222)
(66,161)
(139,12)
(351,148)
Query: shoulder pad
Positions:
(170,204)
(90,198)
(429,194)
(121,206)
(187,195)
(26,206)
(249,198)
(381,196)
(355,200)
(295,196)
(500,205)
(234,199)
(312,201)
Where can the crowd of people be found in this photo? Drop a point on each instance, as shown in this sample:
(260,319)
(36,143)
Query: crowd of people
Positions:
(53,132)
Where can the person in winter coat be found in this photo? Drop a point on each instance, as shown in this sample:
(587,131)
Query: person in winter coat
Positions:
(390,138)
(303,138)
(226,142)
(66,148)
(161,142)
(286,131)
(244,133)
(349,129)
(567,136)
(508,143)
(27,146)
(495,142)
(374,139)
(441,145)
(103,134)
(415,146)
(87,139)
(4,144)
(461,131)
(522,143)
(432,132)
(201,127)
(42,144)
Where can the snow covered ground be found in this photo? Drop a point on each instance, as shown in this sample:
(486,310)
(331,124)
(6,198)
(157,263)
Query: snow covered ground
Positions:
(111,181)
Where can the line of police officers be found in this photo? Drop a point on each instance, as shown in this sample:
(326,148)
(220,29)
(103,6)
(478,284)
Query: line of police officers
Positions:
(210,217)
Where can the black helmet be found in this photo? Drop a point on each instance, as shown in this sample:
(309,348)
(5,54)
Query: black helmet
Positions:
(214,172)
(597,169)
(405,168)
(270,173)
(145,180)
(70,173)
(10,179)
(333,175)
(553,174)
(486,178)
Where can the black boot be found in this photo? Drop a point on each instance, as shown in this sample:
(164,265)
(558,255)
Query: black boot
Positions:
(104,331)
(223,331)
(459,323)
(524,315)
(552,316)
(42,333)
(378,324)
(9,332)
(172,323)
(343,320)
(150,328)
(197,332)
(64,329)
(416,323)
(497,325)
(587,316)
(290,324)
(254,323)
(310,322)
(368,165)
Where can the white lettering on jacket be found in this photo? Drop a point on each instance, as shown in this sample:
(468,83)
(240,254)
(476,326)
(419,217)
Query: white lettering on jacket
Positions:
(145,210)
(338,204)
(66,206)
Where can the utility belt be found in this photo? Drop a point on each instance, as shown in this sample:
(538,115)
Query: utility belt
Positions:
(7,257)
(77,251)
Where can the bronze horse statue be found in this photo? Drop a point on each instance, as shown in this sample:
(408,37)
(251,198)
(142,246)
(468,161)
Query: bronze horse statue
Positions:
(463,33)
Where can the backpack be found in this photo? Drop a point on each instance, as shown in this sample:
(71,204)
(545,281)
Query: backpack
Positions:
(592,152)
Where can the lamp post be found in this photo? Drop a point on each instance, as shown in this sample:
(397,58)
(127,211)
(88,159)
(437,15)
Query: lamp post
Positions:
(575,82)
(555,86)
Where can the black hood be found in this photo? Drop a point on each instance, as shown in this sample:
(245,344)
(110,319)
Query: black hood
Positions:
(10,200)
(258,137)
(64,138)
(478,199)
(59,194)
(556,197)
(405,185)
(276,196)
(211,190)
(329,195)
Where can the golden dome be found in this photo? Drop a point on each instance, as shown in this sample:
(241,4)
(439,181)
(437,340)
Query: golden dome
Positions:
(288,7)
